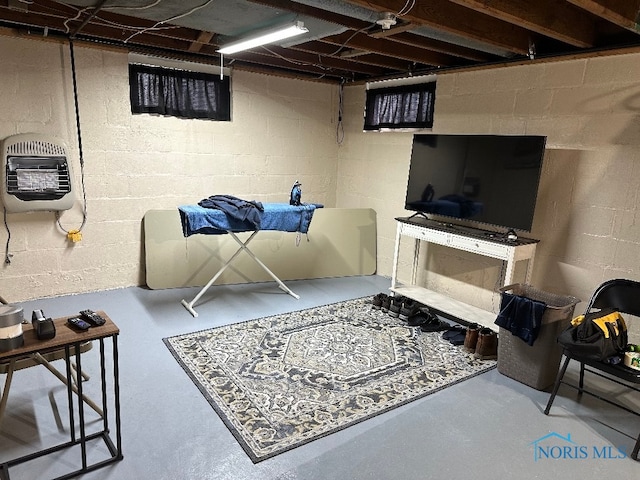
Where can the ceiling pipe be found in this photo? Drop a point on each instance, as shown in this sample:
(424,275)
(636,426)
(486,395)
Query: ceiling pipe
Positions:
(88,19)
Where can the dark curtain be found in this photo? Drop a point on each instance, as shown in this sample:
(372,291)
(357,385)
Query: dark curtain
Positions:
(179,93)
(409,106)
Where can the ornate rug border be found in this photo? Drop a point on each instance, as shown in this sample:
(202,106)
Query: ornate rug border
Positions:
(236,434)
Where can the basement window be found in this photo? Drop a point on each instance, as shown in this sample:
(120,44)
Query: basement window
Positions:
(179,93)
(400,107)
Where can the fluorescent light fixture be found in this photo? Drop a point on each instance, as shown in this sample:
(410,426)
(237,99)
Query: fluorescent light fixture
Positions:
(272,36)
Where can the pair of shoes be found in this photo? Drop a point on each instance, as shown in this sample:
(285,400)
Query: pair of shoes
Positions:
(427,321)
(388,303)
(434,324)
(482,342)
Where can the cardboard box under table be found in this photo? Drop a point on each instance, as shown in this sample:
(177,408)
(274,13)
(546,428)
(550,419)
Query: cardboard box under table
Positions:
(535,365)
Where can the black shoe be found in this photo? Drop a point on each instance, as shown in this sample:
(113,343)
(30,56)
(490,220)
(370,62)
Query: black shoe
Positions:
(395,305)
(386,303)
(421,316)
(377,300)
(409,308)
(434,324)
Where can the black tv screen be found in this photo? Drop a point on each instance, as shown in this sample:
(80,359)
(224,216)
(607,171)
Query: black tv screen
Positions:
(491,179)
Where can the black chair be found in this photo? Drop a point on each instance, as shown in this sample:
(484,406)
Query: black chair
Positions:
(624,296)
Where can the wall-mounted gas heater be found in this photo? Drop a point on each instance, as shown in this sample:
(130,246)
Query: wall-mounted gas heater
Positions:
(36,174)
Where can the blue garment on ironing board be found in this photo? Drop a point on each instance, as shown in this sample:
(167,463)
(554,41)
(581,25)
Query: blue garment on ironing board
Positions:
(522,316)
(236,208)
(276,216)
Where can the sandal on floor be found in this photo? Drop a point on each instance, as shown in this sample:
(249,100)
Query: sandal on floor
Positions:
(418,318)
(434,324)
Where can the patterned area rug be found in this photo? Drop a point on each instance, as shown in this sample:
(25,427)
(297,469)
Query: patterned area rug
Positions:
(282,381)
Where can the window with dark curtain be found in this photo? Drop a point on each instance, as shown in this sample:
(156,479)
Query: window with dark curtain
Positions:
(407,106)
(179,93)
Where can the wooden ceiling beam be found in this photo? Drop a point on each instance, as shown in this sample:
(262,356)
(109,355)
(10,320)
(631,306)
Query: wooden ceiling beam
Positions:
(395,33)
(61,18)
(318,59)
(439,46)
(114,35)
(624,13)
(329,49)
(274,61)
(387,47)
(448,17)
(326,15)
(203,39)
(553,18)
(395,30)
(293,74)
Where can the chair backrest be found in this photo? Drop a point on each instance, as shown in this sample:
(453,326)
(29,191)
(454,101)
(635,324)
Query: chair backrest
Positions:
(621,294)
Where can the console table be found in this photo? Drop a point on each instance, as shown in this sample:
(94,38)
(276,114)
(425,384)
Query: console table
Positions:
(480,242)
(80,438)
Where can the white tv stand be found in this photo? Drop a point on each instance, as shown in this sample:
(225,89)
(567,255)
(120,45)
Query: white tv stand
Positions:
(481,242)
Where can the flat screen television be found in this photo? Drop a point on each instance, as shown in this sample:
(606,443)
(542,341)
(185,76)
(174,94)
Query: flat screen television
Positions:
(492,179)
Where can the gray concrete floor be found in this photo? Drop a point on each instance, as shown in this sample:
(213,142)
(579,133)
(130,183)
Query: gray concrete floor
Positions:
(483,428)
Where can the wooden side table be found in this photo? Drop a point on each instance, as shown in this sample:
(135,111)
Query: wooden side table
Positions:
(70,341)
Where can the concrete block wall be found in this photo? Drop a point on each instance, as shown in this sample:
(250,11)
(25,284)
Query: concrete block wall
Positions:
(282,130)
(587,210)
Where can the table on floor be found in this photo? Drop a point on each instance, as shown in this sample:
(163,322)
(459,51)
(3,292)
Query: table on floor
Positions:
(70,340)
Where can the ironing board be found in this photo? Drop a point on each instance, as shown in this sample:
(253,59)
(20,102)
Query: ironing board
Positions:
(209,221)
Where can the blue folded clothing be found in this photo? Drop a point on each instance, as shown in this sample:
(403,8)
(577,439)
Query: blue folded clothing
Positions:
(236,208)
(275,216)
(522,316)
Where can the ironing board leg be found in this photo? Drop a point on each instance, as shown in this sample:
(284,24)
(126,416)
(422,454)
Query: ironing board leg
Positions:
(189,305)
(243,246)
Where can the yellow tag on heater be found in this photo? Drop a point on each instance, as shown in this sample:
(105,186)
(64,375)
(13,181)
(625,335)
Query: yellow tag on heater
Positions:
(74,235)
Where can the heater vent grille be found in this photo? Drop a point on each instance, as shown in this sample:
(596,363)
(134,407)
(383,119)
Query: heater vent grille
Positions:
(36,174)
(31,178)
(36,148)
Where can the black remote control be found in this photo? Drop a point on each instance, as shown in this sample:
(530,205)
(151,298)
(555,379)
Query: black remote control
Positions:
(78,323)
(92,317)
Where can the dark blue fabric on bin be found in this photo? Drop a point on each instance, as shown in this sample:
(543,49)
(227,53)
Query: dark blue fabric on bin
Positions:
(522,316)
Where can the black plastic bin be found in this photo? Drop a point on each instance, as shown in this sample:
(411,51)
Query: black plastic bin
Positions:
(536,365)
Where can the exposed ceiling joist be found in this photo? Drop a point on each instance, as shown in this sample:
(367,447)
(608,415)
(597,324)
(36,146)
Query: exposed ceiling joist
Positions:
(624,13)
(353,40)
(371,44)
(453,19)
(553,18)
(437,46)
(204,38)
